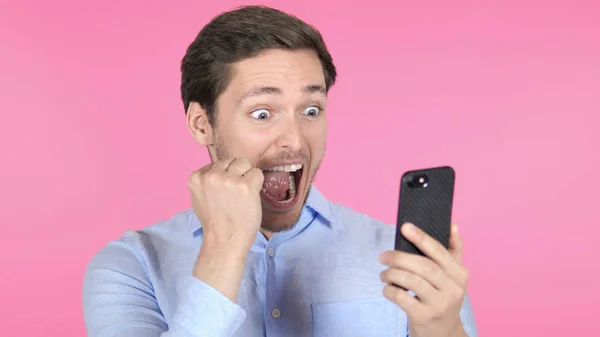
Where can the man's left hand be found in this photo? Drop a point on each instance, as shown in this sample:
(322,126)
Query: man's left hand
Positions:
(439,282)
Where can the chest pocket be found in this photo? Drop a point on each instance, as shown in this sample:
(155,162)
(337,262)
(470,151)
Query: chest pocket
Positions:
(376,317)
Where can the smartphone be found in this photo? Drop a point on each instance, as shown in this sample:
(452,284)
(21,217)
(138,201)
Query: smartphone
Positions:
(426,197)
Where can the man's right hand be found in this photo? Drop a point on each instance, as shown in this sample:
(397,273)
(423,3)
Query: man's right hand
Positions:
(226,200)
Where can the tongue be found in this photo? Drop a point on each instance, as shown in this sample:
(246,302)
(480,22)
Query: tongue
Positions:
(277,184)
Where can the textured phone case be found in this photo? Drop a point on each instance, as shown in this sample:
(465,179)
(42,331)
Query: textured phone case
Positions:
(429,208)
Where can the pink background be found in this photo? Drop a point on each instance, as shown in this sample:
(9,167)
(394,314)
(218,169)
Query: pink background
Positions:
(93,141)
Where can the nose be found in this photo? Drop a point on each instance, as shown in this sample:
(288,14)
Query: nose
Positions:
(290,135)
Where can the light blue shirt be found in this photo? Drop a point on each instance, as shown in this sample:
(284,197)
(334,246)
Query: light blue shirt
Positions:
(321,278)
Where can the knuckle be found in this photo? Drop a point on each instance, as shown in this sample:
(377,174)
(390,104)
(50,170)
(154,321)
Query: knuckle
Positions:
(407,278)
(437,250)
(191,179)
(194,179)
(399,258)
(211,178)
(398,275)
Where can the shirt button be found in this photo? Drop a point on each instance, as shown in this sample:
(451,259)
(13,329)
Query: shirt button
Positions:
(271,252)
(275,313)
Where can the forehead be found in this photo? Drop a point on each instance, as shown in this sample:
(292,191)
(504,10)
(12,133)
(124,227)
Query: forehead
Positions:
(287,70)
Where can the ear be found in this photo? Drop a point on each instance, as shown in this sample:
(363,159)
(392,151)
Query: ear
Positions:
(197,122)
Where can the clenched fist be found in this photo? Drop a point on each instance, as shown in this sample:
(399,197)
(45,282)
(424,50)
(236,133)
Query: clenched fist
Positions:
(226,199)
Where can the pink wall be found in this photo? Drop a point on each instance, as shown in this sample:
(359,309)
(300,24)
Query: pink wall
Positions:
(93,141)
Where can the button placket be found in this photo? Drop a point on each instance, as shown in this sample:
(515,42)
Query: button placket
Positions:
(271,305)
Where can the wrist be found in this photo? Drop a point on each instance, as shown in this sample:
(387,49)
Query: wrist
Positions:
(231,246)
(236,239)
(458,330)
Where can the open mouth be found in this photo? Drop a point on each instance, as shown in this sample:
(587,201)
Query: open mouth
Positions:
(281,184)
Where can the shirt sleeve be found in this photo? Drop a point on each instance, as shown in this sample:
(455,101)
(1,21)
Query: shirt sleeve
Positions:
(468,318)
(119,301)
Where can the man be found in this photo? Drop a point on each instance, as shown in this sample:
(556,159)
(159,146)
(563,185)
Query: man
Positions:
(263,252)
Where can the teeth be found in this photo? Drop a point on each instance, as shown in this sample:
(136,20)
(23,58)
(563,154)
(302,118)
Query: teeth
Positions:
(292,189)
(285,168)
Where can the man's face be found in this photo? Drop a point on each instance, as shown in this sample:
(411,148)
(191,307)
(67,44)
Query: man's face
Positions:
(273,114)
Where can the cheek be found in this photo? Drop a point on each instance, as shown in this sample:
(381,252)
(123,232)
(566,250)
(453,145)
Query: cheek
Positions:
(251,144)
(316,136)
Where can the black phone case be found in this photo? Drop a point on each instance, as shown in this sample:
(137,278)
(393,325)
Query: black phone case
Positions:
(429,208)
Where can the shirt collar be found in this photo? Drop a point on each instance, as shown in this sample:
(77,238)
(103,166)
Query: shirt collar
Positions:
(315,201)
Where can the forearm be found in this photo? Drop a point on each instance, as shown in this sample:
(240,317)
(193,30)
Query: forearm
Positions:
(221,266)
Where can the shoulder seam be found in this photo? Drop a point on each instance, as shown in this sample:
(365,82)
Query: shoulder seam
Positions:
(130,242)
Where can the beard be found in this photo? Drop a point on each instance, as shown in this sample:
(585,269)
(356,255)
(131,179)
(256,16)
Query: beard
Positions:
(271,221)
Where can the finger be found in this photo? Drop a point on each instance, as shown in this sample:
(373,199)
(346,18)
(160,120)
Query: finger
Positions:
(239,166)
(456,243)
(407,280)
(416,264)
(196,176)
(429,246)
(255,178)
(411,306)
(203,169)
(222,165)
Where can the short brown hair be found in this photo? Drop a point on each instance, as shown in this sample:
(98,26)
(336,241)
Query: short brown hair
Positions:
(237,35)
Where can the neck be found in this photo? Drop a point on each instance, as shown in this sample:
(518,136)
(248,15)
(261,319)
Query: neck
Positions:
(267,234)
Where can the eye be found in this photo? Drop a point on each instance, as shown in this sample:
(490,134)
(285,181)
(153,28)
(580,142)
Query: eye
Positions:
(260,114)
(312,111)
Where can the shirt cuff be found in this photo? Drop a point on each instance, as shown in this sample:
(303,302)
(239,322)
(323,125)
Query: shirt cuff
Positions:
(204,311)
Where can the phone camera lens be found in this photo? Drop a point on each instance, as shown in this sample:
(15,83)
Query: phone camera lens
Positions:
(419,181)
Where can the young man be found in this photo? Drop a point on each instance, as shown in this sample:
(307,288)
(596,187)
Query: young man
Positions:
(262,252)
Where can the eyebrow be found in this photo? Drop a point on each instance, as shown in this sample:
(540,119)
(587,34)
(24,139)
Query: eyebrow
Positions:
(309,89)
